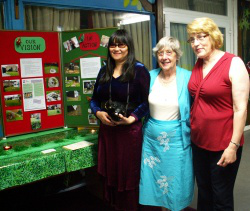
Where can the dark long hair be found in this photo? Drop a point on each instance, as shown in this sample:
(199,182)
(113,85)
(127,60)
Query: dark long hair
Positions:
(120,36)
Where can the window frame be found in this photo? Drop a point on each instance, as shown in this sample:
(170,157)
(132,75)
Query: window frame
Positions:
(229,22)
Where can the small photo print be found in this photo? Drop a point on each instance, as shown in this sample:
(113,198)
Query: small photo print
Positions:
(74,110)
(9,70)
(53,95)
(54,109)
(51,68)
(52,82)
(28,95)
(73,95)
(104,41)
(35,121)
(12,100)
(92,119)
(71,44)
(72,81)
(88,86)
(14,115)
(71,68)
(11,85)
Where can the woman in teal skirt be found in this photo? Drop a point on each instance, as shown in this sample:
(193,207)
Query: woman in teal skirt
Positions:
(167,178)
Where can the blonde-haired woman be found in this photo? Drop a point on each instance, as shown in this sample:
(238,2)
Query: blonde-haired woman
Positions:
(219,85)
(167,179)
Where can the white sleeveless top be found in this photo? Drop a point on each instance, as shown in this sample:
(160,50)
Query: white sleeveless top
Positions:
(163,101)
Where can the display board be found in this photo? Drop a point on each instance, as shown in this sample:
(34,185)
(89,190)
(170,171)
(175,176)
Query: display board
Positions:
(83,54)
(31,82)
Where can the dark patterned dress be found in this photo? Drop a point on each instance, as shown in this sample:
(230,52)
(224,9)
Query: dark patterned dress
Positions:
(119,147)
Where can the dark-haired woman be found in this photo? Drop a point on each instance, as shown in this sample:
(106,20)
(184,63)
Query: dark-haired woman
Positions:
(122,80)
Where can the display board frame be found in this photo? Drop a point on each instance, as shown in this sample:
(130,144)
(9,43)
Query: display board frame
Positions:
(80,50)
(30,81)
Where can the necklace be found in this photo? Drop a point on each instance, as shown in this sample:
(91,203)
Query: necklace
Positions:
(166,82)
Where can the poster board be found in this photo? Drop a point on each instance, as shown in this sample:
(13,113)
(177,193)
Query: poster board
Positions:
(83,53)
(30,81)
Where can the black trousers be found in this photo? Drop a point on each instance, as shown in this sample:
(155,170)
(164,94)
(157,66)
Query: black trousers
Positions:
(215,183)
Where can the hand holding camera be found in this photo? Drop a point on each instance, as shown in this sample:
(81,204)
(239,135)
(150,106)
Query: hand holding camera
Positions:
(115,108)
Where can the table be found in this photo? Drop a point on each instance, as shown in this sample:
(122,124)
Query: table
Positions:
(25,163)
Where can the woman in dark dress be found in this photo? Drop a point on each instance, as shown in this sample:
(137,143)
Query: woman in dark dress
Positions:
(122,80)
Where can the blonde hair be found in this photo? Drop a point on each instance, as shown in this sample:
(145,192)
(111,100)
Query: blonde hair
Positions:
(207,26)
(168,42)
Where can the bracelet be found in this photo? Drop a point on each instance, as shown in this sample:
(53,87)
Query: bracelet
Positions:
(237,145)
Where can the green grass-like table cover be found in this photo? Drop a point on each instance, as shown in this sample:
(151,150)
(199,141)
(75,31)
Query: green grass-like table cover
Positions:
(25,162)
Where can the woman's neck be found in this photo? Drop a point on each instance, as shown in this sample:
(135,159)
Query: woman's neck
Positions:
(210,61)
(212,57)
(118,70)
(168,73)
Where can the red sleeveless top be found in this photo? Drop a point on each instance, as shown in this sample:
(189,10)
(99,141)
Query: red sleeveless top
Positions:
(212,110)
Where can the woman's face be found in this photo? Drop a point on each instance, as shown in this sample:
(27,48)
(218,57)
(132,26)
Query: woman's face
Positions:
(118,52)
(201,45)
(167,59)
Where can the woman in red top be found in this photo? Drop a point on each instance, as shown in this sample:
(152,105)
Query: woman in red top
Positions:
(219,85)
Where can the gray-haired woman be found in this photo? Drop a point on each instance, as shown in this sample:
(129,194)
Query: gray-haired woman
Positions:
(167,177)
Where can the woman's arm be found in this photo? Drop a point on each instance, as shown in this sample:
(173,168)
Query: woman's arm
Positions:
(240,92)
(144,82)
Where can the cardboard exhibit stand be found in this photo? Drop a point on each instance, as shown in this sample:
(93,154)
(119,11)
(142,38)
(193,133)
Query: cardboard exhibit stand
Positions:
(47,82)
(31,86)
(83,54)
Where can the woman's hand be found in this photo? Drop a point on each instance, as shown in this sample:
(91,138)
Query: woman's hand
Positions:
(105,118)
(228,156)
(125,120)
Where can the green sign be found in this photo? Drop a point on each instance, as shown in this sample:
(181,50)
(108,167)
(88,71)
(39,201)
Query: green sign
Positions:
(30,44)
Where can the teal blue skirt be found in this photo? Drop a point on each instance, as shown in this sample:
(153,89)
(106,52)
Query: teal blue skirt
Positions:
(167,178)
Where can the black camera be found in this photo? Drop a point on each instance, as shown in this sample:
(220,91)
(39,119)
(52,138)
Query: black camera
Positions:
(115,108)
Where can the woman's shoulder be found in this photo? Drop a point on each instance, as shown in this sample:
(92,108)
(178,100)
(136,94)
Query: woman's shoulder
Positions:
(140,67)
(154,71)
(184,71)
(229,55)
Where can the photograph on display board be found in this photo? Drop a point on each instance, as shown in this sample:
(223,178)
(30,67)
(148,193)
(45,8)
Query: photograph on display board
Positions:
(104,41)
(74,110)
(88,86)
(71,44)
(54,109)
(11,85)
(12,100)
(35,121)
(28,95)
(53,95)
(73,95)
(9,70)
(92,119)
(51,68)
(72,81)
(71,68)
(14,115)
(52,82)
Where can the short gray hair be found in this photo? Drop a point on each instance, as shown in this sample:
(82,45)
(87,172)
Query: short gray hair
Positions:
(170,43)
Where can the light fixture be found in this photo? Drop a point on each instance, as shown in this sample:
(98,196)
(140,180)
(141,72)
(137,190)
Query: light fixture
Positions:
(134,18)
